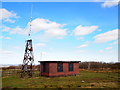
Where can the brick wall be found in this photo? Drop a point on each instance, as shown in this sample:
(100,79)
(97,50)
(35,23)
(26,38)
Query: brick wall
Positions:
(52,70)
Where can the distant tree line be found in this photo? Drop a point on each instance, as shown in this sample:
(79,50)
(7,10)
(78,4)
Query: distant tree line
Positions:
(99,65)
(82,65)
(35,67)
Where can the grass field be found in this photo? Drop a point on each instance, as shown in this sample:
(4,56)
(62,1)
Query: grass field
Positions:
(86,79)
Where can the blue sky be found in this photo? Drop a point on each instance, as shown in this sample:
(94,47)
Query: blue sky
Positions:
(82,31)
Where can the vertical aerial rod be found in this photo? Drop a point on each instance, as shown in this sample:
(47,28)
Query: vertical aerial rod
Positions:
(30,21)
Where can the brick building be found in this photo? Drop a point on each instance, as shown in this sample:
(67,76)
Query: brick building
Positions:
(59,68)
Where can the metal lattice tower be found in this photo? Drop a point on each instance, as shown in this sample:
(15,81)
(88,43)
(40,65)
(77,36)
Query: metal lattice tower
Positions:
(28,59)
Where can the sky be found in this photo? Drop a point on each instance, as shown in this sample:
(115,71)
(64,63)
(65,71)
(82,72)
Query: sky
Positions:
(61,31)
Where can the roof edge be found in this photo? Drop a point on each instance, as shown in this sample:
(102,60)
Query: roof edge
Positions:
(59,61)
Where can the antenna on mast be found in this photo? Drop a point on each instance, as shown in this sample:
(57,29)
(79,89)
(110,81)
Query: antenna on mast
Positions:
(30,20)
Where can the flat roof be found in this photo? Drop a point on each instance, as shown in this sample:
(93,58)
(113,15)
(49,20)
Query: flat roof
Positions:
(59,61)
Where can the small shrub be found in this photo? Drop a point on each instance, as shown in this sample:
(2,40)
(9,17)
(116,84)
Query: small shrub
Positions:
(92,85)
(79,86)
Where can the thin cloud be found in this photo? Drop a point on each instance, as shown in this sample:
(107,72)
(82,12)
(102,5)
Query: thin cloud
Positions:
(82,46)
(7,16)
(3,37)
(19,30)
(5,28)
(108,48)
(107,36)
(110,3)
(84,30)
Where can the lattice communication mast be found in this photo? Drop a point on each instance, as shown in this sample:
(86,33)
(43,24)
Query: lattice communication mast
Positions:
(28,56)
